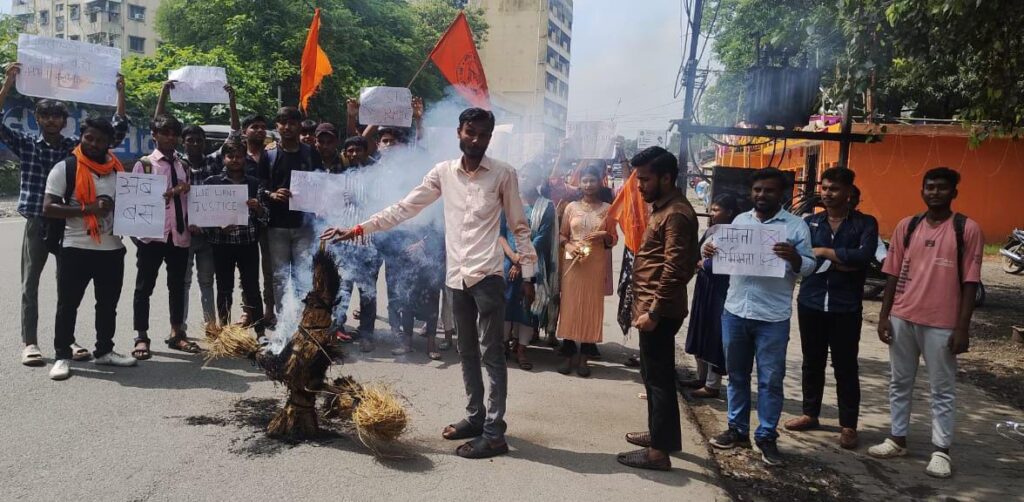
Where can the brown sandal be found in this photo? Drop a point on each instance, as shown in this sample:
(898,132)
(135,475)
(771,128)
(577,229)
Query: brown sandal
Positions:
(183,344)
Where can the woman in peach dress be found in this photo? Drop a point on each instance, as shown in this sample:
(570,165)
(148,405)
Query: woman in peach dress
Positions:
(587,244)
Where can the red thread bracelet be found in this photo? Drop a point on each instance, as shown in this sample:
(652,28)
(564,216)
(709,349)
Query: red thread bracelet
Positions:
(358,230)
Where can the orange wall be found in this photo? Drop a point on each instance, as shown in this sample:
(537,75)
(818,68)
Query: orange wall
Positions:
(991,189)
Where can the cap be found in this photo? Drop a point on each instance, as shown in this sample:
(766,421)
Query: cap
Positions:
(326,128)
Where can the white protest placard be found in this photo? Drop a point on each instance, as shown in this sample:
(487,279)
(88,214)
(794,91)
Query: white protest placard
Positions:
(747,250)
(385,106)
(139,205)
(68,70)
(218,205)
(199,84)
(592,139)
(646,138)
(308,192)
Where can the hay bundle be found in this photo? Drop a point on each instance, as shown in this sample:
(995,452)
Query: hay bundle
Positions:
(379,416)
(342,396)
(230,341)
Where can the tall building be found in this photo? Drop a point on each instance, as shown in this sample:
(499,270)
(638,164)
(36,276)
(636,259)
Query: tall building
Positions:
(526,59)
(131,26)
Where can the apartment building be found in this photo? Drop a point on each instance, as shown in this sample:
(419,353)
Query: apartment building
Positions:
(526,59)
(129,25)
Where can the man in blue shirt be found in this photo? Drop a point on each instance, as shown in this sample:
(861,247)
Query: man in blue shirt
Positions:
(829,304)
(37,156)
(755,324)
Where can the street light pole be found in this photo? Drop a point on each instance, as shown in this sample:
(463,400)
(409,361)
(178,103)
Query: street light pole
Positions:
(690,82)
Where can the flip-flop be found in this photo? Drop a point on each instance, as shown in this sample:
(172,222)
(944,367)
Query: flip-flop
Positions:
(79,353)
(462,430)
(434,356)
(640,460)
(183,344)
(481,447)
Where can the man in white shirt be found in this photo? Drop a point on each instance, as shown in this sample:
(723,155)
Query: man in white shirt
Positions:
(476,190)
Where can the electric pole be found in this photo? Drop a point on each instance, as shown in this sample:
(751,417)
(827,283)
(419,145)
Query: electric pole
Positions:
(690,81)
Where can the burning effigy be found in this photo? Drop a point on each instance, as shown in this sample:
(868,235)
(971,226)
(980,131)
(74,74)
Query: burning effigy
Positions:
(302,365)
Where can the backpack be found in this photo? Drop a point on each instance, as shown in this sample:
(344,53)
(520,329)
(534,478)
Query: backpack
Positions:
(959,224)
(53,228)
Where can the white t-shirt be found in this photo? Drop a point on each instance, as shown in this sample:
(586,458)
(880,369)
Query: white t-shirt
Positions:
(75,234)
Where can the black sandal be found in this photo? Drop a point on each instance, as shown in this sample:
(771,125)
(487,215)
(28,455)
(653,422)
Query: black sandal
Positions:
(481,447)
(641,439)
(141,354)
(641,460)
(461,430)
(183,344)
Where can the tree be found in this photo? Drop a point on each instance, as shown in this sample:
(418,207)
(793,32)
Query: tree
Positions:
(144,77)
(369,42)
(926,58)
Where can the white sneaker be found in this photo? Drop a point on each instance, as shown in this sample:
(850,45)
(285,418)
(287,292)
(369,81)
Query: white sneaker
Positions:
(61,369)
(114,359)
(941,466)
(887,449)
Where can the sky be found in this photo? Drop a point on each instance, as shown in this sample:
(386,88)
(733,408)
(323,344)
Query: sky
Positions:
(628,50)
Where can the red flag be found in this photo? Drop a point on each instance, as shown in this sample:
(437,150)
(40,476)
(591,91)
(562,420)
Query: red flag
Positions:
(315,65)
(455,55)
(630,211)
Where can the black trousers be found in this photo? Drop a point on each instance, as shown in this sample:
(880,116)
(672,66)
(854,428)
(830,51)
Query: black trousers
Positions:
(838,332)
(148,259)
(77,268)
(569,348)
(246,258)
(658,369)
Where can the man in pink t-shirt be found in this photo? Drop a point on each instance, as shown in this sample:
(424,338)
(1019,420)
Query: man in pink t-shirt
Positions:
(934,268)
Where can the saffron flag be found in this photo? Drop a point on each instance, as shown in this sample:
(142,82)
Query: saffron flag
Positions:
(315,65)
(631,213)
(455,55)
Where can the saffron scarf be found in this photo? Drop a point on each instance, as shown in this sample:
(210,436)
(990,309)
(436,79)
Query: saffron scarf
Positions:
(85,187)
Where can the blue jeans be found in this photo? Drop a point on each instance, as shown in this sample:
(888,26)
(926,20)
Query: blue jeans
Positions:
(745,340)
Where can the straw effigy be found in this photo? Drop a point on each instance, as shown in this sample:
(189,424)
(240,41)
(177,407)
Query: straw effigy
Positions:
(375,412)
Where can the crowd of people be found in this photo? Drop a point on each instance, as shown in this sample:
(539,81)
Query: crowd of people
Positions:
(527,252)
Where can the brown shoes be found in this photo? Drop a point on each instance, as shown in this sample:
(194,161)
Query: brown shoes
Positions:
(848,438)
(705,393)
(802,423)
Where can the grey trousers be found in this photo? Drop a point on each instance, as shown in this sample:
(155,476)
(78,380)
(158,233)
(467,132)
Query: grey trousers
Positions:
(33,259)
(911,342)
(200,254)
(479,313)
(291,258)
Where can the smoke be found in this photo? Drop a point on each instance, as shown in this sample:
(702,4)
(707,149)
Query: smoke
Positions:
(355,195)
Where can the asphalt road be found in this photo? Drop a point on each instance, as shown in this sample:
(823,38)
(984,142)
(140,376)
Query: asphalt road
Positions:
(174,429)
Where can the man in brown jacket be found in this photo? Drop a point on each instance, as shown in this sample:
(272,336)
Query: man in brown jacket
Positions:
(664,264)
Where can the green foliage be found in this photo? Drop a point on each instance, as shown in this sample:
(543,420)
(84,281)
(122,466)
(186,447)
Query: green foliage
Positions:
(929,58)
(9,29)
(144,77)
(369,42)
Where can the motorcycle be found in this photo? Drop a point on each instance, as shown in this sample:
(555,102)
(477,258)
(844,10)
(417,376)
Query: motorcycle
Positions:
(874,286)
(1013,253)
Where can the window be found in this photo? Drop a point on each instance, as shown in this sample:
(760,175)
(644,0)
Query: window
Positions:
(75,11)
(59,35)
(59,23)
(136,44)
(93,16)
(136,12)
(58,8)
(74,37)
(95,38)
(44,17)
(26,19)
